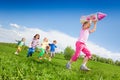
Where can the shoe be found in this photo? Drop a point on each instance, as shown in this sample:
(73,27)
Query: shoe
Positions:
(40,58)
(16,53)
(84,68)
(49,59)
(68,65)
(31,54)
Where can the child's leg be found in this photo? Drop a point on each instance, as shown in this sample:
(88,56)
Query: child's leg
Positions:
(79,47)
(30,52)
(42,51)
(47,55)
(51,54)
(87,57)
(83,66)
(85,61)
(18,50)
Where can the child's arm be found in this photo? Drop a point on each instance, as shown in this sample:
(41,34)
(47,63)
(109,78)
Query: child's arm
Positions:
(55,46)
(16,40)
(94,28)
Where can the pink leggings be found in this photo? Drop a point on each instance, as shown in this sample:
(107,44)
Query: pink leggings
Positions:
(81,47)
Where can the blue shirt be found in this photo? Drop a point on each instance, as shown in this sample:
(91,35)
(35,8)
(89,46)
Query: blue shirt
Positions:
(52,47)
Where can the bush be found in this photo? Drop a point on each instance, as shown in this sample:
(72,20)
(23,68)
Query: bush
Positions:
(117,62)
(68,52)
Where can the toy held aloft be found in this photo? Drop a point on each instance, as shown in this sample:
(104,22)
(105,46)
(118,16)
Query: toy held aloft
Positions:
(92,17)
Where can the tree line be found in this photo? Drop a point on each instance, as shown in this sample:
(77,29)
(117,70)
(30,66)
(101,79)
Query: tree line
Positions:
(68,52)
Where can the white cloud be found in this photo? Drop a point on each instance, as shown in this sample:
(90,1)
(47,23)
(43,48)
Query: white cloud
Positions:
(63,40)
(14,25)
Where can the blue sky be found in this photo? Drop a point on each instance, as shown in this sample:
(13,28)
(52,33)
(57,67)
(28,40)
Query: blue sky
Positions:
(64,15)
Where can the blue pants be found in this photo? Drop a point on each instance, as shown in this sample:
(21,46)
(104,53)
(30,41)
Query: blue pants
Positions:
(30,52)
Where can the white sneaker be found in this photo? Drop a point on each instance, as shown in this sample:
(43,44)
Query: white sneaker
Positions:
(84,68)
(68,65)
(49,59)
(16,53)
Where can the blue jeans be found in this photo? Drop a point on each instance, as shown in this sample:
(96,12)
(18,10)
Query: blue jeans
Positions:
(30,52)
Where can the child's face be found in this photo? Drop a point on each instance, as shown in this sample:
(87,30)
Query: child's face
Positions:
(37,37)
(45,39)
(86,26)
(23,39)
(55,42)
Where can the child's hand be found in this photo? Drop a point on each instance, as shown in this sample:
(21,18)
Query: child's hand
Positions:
(95,21)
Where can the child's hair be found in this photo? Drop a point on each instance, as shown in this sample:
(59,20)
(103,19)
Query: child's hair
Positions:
(47,47)
(37,35)
(85,23)
(22,39)
(54,41)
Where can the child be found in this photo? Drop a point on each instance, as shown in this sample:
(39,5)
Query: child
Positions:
(44,44)
(81,46)
(20,44)
(52,48)
(33,45)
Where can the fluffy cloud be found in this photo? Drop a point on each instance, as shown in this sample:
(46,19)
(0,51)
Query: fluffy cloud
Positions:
(63,40)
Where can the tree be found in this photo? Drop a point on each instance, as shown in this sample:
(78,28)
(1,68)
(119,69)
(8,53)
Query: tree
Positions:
(117,62)
(68,52)
(94,57)
(110,61)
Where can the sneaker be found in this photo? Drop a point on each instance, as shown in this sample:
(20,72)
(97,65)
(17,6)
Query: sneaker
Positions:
(16,53)
(40,58)
(31,54)
(49,59)
(84,68)
(68,65)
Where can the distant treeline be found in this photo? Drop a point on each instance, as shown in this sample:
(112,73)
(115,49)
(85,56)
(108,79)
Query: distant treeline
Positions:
(68,52)
(105,60)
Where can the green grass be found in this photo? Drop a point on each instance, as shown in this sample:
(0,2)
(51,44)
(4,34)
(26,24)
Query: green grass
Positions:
(19,67)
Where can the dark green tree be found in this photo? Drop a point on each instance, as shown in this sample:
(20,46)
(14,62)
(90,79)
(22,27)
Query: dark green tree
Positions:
(68,52)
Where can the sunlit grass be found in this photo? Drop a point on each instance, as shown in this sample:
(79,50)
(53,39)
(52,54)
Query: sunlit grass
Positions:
(19,67)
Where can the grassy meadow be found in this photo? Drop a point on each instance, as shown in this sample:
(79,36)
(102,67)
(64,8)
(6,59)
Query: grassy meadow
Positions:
(19,67)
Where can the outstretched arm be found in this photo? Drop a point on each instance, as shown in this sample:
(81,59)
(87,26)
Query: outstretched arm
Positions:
(94,28)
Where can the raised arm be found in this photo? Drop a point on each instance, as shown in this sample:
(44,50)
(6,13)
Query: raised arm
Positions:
(94,28)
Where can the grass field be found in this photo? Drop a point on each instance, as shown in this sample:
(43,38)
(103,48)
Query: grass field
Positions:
(19,67)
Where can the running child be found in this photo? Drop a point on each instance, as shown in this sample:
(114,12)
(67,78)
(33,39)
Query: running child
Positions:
(81,46)
(52,48)
(20,44)
(33,45)
(43,47)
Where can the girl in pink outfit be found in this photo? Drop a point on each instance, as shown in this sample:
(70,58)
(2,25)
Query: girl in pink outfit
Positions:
(33,45)
(81,45)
